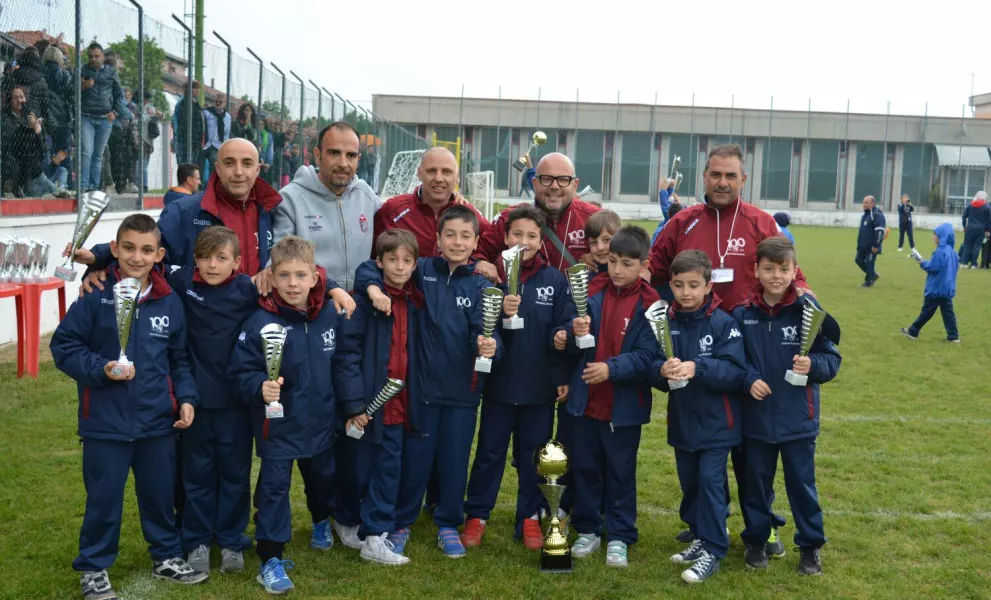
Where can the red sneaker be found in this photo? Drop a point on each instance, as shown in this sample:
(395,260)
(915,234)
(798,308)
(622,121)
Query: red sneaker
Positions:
(471,537)
(533,538)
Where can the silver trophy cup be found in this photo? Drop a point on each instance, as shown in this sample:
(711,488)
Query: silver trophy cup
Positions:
(6,258)
(812,320)
(511,261)
(578,282)
(92,206)
(388,392)
(40,267)
(657,316)
(23,251)
(491,309)
(126,292)
(273,345)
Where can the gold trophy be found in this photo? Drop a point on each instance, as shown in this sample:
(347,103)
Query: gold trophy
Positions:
(552,463)
(539,139)
(812,320)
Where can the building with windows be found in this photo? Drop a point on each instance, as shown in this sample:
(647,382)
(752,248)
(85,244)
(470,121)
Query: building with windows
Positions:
(801,160)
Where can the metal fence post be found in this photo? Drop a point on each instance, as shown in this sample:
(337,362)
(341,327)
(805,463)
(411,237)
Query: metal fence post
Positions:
(229,66)
(302,106)
(319,105)
(331,96)
(261,79)
(189,92)
(282,102)
(141,103)
(79,105)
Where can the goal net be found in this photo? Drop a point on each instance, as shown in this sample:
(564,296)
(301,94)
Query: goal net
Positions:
(481,191)
(402,174)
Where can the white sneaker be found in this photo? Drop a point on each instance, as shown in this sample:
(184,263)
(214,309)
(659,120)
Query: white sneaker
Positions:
(199,558)
(348,535)
(900,249)
(616,554)
(586,544)
(378,548)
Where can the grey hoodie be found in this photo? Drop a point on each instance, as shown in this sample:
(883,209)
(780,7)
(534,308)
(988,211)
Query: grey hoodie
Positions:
(340,228)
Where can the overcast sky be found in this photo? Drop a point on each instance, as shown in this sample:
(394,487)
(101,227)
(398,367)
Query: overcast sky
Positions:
(866,50)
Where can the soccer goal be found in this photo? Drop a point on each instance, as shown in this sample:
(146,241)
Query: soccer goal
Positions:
(481,191)
(402,174)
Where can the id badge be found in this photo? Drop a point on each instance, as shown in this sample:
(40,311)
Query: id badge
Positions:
(274,410)
(722,275)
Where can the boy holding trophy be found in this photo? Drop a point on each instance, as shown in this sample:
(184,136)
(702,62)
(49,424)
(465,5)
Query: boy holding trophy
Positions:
(294,362)
(127,414)
(455,331)
(609,395)
(702,372)
(520,395)
(788,358)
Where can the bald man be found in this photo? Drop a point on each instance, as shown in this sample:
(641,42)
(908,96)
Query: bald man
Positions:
(554,184)
(418,212)
(234,197)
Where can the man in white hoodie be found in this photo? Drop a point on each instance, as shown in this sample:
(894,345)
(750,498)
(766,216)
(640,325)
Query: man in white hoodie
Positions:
(331,207)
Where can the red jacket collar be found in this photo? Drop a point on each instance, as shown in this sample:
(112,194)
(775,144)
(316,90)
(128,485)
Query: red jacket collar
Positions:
(648,295)
(159,286)
(409,292)
(198,279)
(274,303)
(756,298)
(711,303)
(262,194)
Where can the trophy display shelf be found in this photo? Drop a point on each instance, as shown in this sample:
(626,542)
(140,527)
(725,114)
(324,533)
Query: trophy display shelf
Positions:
(16,291)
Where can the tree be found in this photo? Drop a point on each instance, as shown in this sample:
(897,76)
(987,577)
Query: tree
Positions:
(360,122)
(155,58)
(272,109)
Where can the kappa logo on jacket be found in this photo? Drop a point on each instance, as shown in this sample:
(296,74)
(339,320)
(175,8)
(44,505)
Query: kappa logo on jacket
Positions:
(243,337)
(193,294)
(329,343)
(159,326)
(202,222)
(545,295)
(790,334)
(705,345)
(402,214)
(734,333)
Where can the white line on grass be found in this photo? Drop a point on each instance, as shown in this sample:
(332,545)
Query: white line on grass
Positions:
(905,419)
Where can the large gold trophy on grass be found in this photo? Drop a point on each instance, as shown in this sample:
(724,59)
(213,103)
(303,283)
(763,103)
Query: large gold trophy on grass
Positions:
(552,463)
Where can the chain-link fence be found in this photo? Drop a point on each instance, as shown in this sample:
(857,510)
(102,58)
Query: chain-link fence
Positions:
(98,100)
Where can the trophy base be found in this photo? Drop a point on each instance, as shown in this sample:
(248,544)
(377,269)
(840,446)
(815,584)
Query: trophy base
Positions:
(274,410)
(520,165)
(355,432)
(121,367)
(556,563)
(676,385)
(65,274)
(796,379)
(483,365)
(585,341)
(512,323)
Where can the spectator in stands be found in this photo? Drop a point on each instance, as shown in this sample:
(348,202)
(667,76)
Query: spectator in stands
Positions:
(290,163)
(23,148)
(123,149)
(57,171)
(153,130)
(783,221)
(179,125)
(332,208)
(977,229)
(218,130)
(102,102)
(278,153)
(29,76)
(266,144)
(244,126)
(188,176)
(60,100)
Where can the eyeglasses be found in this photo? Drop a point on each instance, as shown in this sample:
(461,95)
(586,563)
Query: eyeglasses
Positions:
(562,180)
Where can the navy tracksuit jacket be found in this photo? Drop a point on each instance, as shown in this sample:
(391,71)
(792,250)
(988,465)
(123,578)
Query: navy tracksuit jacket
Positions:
(369,468)
(520,395)
(704,416)
(444,400)
(604,464)
(870,235)
(127,425)
(787,420)
(320,371)
(216,450)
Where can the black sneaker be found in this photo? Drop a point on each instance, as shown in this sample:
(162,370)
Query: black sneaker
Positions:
(810,563)
(775,547)
(685,536)
(179,571)
(705,567)
(756,556)
(96,586)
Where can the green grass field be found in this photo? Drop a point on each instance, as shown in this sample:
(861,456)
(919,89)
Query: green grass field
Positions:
(902,469)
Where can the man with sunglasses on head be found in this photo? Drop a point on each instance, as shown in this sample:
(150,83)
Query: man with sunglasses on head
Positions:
(555,187)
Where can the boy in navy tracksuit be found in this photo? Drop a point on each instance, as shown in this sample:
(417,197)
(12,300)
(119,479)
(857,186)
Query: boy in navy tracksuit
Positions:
(703,416)
(520,395)
(444,402)
(216,450)
(127,420)
(941,285)
(370,466)
(319,370)
(778,417)
(610,396)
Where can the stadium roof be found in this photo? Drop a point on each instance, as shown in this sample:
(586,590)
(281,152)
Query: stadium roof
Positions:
(963,156)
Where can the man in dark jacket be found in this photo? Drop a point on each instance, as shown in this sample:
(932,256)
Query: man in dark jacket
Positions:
(60,91)
(977,228)
(30,77)
(179,128)
(101,103)
(869,239)
(905,210)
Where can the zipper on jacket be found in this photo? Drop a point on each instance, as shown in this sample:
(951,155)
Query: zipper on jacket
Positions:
(612,429)
(344,236)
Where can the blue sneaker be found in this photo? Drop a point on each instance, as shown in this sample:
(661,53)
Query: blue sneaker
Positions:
(399,539)
(450,542)
(322,538)
(273,578)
